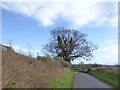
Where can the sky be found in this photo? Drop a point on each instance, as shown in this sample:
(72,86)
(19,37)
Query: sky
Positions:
(27,25)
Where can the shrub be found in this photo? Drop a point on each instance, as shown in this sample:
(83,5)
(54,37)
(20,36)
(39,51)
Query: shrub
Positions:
(65,63)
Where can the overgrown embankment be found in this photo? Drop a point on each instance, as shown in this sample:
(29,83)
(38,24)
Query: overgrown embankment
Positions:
(20,71)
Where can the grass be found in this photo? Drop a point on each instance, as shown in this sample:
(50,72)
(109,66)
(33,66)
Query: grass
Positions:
(64,81)
(109,78)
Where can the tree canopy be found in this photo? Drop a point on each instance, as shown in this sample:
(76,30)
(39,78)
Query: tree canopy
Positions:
(69,44)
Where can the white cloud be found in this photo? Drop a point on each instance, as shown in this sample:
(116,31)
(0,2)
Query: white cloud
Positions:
(19,49)
(23,50)
(114,21)
(56,0)
(76,13)
(107,53)
(112,49)
(26,51)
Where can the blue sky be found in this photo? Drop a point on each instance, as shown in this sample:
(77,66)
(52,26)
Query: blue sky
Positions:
(27,25)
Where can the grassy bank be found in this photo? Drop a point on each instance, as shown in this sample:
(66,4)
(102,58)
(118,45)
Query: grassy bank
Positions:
(109,78)
(20,71)
(64,81)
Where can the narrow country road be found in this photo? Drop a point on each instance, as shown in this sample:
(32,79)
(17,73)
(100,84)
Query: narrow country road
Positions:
(83,80)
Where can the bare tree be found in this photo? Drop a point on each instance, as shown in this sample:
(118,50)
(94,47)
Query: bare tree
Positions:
(10,43)
(69,44)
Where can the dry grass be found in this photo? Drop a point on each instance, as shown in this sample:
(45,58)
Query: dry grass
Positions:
(19,71)
(112,70)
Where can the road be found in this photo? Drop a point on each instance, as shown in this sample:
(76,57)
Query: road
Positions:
(83,80)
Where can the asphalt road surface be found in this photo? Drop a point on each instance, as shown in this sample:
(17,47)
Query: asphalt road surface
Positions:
(83,80)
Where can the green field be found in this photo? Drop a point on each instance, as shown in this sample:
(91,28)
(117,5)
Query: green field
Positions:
(64,81)
(109,78)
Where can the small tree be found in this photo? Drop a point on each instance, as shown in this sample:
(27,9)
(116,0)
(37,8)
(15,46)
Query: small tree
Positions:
(29,46)
(69,44)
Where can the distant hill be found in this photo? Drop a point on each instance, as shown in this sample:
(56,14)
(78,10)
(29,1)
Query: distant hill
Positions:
(20,71)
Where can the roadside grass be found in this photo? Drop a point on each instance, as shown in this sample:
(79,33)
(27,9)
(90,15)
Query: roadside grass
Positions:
(64,81)
(109,78)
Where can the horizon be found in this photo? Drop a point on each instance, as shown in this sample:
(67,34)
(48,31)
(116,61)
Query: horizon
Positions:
(27,26)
